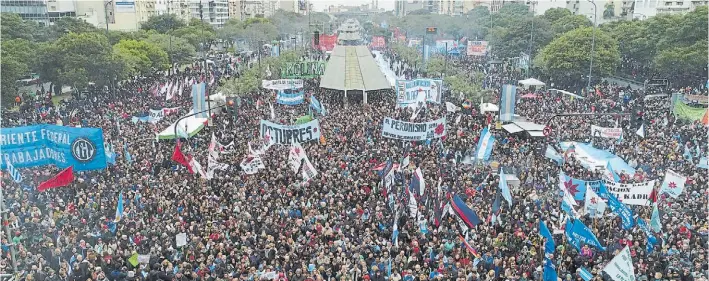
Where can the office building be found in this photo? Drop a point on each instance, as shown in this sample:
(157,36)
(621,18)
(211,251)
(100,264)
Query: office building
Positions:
(258,8)
(214,12)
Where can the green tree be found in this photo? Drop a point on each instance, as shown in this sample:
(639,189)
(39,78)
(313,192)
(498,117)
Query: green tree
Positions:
(197,36)
(141,57)
(568,23)
(609,11)
(554,14)
(163,23)
(178,49)
(507,42)
(569,56)
(13,27)
(18,57)
(67,25)
(686,65)
(77,59)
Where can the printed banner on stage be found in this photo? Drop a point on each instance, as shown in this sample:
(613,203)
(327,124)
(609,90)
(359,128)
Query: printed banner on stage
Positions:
(408,91)
(61,146)
(508,102)
(378,42)
(290,98)
(284,134)
(282,84)
(477,48)
(610,133)
(396,129)
(303,69)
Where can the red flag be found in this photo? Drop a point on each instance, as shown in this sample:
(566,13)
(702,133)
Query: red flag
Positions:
(63,178)
(653,196)
(178,157)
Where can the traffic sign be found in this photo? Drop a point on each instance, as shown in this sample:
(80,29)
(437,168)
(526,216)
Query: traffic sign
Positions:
(547,131)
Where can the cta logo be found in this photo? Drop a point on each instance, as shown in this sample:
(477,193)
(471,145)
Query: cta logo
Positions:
(83,150)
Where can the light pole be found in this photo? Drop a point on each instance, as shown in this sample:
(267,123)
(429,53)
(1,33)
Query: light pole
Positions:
(593,42)
(531,40)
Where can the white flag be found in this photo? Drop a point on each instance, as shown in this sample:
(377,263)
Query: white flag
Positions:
(195,167)
(594,205)
(641,132)
(251,164)
(268,141)
(673,184)
(296,156)
(308,172)
(450,107)
(273,113)
(620,268)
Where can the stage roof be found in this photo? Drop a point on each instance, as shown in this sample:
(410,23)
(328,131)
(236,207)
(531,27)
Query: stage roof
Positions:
(353,68)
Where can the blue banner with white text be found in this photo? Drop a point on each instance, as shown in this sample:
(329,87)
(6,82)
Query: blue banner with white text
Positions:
(61,146)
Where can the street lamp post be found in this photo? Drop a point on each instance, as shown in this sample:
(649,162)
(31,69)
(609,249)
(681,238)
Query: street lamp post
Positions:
(593,41)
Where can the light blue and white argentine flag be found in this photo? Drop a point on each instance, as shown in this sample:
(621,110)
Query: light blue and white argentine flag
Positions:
(198,100)
(15,174)
(485,144)
(507,102)
(585,274)
(315,104)
(290,99)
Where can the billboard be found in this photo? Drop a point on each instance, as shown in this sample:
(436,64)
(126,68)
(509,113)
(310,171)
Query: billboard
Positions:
(446,45)
(303,69)
(419,90)
(327,42)
(378,42)
(125,6)
(477,48)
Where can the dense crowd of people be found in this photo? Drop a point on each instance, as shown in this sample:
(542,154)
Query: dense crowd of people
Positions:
(273,226)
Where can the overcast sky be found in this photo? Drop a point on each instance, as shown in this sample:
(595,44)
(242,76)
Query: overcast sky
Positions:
(320,5)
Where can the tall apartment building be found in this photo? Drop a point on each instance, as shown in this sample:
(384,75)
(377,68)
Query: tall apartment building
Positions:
(405,7)
(648,8)
(42,11)
(261,8)
(234,7)
(214,12)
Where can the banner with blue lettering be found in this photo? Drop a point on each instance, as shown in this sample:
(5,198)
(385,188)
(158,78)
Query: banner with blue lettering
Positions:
(286,135)
(412,91)
(61,146)
(288,97)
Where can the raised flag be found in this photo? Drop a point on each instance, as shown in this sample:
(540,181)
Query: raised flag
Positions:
(594,205)
(549,245)
(651,240)
(585,274)
(610,174)
(296,156)
(63,178)
(575,187)
(620,268)
(128,157)
(641,131)
(198,100)
(469,217)
(507,103)
(549,270)
(468,247)
(195,167)
(552,154)
(655,219)
(273,113)
(504,188)
(625,213)
(177,155)
(418,185)
(15,174)
(673,184)
(485,144)
(581,234)
(119,208)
